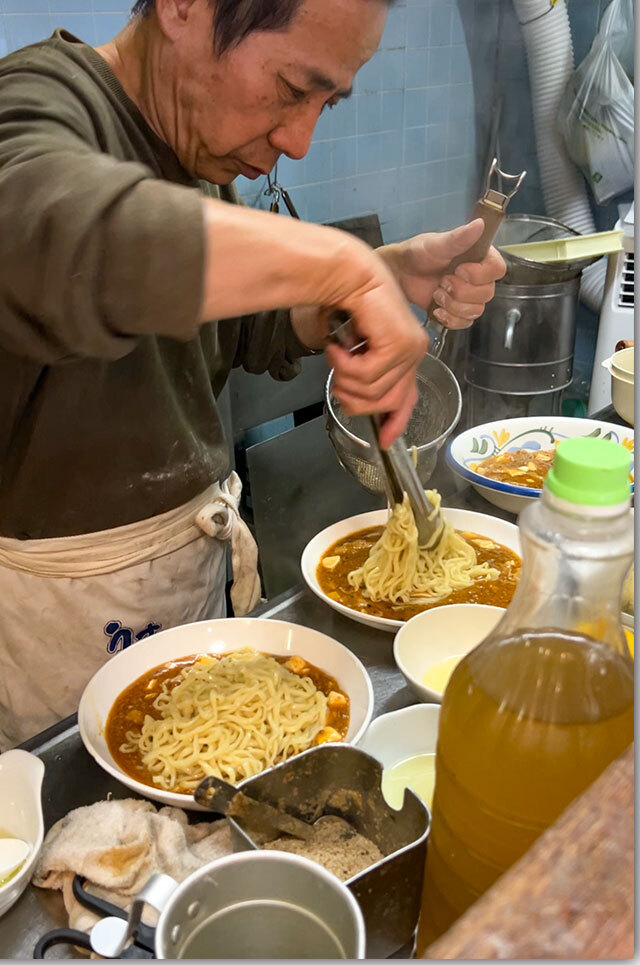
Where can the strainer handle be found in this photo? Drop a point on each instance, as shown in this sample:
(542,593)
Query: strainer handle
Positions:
(492,218)
(491,208)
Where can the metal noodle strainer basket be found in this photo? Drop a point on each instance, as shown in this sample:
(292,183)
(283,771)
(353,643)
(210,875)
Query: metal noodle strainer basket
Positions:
(434,417)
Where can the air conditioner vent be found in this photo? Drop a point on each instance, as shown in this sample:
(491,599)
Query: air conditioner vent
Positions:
(625,292)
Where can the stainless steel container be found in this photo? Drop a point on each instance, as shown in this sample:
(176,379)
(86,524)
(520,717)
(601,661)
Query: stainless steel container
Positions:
(265,904)
(524,342)
(340,779)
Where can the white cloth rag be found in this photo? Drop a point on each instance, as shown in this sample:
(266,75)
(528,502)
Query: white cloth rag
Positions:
(221,519)
(118,845)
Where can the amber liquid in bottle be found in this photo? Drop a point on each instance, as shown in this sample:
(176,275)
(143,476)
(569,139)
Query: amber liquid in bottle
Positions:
(527,723)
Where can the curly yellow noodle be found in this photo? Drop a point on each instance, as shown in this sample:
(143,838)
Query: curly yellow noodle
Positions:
(398,570)
(231,717)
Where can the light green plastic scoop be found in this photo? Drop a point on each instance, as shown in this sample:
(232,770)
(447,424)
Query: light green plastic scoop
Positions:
(568,249)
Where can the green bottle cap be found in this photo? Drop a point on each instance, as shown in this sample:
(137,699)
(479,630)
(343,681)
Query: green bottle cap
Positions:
(590,472)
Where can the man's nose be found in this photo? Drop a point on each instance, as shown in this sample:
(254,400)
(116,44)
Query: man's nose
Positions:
(293,135)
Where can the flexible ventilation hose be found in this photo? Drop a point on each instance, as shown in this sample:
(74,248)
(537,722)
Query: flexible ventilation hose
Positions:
(547,37)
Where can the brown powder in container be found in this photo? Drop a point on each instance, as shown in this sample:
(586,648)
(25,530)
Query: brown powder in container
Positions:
(334,844)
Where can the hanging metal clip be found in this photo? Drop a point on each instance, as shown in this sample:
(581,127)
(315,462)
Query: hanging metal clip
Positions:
(274,191)
(275,188)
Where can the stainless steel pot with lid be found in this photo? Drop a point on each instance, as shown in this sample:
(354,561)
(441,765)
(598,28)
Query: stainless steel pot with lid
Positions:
(524,342)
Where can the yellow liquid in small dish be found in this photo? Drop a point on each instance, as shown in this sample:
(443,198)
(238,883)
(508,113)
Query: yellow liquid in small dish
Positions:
(4,880)
(418,773)
(437,677)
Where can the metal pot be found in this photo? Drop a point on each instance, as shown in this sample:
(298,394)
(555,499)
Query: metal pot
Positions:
(523,345)
(258,904)
(524,342)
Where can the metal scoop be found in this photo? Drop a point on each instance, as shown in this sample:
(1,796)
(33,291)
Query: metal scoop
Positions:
(400,473)
(255,816)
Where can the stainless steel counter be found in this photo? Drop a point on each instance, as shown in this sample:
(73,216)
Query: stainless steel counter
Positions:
(72,778)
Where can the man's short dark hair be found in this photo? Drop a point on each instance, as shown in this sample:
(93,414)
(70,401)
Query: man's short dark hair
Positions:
(236,19)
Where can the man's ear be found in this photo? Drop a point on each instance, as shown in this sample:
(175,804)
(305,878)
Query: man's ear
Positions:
(174,16)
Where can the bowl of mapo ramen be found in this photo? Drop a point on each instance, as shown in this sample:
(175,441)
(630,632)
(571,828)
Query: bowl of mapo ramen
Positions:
(507,461)
(226,697)
(485,556)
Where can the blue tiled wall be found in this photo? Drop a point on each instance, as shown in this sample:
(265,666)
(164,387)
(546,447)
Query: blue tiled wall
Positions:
(24,21)
(403,146)
(411,141)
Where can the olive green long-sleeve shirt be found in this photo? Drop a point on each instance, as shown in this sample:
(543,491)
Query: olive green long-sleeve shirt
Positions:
(108,386)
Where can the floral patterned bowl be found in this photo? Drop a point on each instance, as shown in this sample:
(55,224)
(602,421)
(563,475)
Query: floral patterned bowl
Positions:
(508,435)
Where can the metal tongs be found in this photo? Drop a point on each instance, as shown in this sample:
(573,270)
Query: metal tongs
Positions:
(491,208)
(399,471)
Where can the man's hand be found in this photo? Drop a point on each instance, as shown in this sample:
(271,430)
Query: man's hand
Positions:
(256,261)
(382,379)
(419,265)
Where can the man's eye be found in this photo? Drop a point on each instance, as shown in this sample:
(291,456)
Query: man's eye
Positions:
(296,94)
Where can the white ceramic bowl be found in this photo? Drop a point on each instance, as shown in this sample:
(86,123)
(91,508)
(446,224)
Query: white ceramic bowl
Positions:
(621,368)
(215,636)
(434,635)
(21,777)
(534,432)
(402,733)
(497,529)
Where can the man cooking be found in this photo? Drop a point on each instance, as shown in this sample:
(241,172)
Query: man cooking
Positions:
(129,287)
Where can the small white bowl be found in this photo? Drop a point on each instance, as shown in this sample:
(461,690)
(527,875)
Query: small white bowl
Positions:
(621,368)
(21,777)
(215,636)
(532,432)
(462,519)
(434,635)
(402,733)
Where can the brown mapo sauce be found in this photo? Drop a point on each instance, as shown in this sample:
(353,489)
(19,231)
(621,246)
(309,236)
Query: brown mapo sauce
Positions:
(354,549)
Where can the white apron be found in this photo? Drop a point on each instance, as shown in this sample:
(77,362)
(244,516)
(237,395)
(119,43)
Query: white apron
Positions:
(67,605)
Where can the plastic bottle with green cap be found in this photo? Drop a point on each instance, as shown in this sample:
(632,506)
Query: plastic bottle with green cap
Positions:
(540,708)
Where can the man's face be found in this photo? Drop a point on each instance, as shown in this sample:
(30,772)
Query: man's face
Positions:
(238,112)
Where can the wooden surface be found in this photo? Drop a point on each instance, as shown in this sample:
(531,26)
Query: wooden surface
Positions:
(571,895)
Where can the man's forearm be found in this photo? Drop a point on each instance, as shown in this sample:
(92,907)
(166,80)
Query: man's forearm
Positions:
(256,261)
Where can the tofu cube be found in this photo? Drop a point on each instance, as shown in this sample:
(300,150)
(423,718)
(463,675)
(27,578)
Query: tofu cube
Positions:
(335,700)
(330,562)
(295,664)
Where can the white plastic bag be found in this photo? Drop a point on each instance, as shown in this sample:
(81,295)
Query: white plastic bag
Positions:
(596,110)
